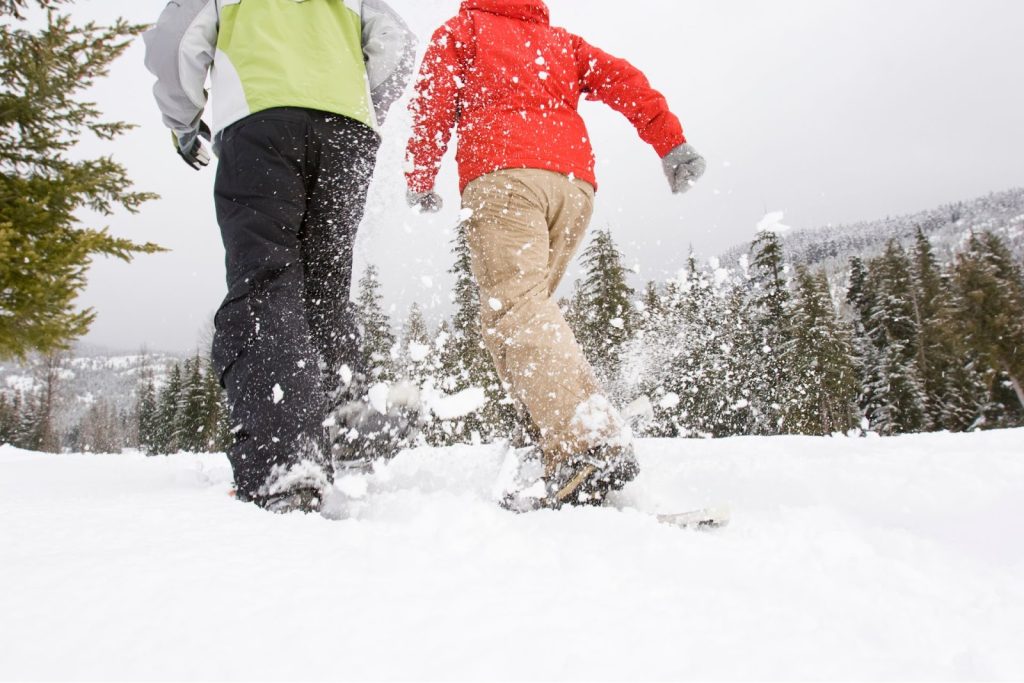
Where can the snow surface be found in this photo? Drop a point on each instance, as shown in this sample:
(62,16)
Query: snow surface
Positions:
(846,559)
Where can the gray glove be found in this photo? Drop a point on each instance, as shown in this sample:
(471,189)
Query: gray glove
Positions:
(683,166)
(191,148)
(424,202)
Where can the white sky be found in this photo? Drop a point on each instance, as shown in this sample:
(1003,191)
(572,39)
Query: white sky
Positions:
(830,110)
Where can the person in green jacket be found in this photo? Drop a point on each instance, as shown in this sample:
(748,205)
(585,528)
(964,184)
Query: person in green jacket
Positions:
(300,89)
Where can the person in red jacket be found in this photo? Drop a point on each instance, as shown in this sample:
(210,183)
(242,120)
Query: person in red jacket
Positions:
(512,83)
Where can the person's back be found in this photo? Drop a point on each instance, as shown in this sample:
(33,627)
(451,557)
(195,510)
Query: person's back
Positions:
(299,89)
(332,56)
(512,84)
(285,53)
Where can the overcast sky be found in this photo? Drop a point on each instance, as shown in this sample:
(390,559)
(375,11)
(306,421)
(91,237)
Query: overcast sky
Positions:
(833,111)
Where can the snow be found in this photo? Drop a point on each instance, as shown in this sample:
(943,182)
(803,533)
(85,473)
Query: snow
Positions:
(458,405)
(378,397)
(20,383)
(772,222)
(846,559)
(418,352)
(669,401)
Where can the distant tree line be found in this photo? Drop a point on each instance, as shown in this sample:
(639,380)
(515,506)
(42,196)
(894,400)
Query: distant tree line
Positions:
(186,412)
(910,345)
(765,348)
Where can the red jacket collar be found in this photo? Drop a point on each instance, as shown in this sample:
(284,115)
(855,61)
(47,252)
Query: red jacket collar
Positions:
(524,10)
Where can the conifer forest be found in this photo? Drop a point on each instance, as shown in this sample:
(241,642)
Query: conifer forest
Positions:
(905,337)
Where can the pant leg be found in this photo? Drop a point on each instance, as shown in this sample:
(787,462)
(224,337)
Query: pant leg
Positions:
(524,229)
(262,344)
(346,152)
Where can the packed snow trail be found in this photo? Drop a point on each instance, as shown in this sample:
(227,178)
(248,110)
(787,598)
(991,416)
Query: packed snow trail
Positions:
(845,559)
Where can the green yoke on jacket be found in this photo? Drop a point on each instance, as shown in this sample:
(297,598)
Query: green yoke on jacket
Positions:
(348,57)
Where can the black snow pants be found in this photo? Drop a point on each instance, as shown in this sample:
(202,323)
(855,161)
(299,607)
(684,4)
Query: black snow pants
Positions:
(290,193)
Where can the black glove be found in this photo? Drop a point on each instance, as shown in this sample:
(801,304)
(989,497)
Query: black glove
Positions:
(191,148)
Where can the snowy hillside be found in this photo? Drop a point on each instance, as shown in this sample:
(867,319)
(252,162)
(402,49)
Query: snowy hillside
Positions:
(846,559)
(947,228)
(86,377)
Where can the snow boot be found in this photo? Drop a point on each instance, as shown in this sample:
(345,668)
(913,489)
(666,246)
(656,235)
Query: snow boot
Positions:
(585,479)
(588,478)
(305,500)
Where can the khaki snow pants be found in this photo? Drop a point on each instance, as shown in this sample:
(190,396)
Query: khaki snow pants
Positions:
(526,226)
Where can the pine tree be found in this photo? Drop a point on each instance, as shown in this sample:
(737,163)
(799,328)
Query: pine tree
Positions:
(933,348)
(606,305)
(8,419)
(146,412)
(989,307)
(573,310)
(27,434)
(898,403)
(193,410)
(378,340)
(769,316)
(826,385)
(416,350)
(861,302)
(217,423)
(688,373)
(168,421)
(652,307)
(44,188)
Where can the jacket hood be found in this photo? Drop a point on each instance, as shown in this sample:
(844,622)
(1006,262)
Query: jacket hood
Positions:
(524,10)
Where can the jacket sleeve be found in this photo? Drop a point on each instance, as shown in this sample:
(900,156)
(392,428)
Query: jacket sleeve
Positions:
(179,51)
(389,48)
(434,108)
(625,89)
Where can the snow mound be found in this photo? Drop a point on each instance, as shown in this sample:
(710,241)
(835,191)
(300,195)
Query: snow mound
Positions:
(846,559)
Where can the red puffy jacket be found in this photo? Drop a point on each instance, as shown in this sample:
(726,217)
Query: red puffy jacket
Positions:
(512,83)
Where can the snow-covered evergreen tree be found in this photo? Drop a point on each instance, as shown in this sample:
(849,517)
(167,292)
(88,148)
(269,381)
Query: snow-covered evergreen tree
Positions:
(378,339)
(897,399)
(933,354)
(168,411)
(825,385)
(147,412)
(192,408)
(217,425)
(8,419)
(416,350)
(989,306)
(769,315)
(606,315)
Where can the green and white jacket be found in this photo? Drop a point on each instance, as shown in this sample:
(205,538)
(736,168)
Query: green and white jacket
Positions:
(348,57)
